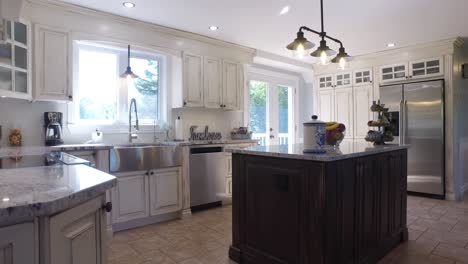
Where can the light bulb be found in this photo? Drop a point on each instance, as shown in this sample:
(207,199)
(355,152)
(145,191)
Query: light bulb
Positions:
(323,58)
(342,63)
(300,51)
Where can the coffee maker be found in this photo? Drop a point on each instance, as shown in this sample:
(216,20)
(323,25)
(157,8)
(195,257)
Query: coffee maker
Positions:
(53,128)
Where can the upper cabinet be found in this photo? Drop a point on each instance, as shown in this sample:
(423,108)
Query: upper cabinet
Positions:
(211,82)
(362,77)
(52,64)
(343,80)
(419,69)
(193,80)
(231,85)
(325,81)
(15,60)
(426,68)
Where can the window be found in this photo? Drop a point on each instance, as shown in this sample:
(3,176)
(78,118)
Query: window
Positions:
(103,97)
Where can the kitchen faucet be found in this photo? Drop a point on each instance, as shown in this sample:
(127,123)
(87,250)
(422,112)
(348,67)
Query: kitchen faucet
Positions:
(132,136)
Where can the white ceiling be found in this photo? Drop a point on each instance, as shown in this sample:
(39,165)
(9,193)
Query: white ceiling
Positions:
(364,26)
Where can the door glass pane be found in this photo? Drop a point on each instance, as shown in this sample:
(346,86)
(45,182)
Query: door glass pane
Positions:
(432,70)
(418,72)
(258,110)
(366,73)
(339,77)
(358,80)
(366,79)
(339,83)
(358,74)
(418,65)
(21,33)
(21,82)
(322,85)
(5,53)
(8,29)
(387,76)
(346,82)
(399,75)
(433,63)
(387,70)
(329,79)
(5,79)
(284,112)
(400,68)
(21,58)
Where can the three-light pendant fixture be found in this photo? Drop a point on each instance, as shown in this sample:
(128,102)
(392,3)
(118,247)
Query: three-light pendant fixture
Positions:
(301,46)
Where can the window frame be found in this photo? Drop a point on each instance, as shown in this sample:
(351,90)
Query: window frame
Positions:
(120,124)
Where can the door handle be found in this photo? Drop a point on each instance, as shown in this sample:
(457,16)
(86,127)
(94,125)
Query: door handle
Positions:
(405,120)
(272,136)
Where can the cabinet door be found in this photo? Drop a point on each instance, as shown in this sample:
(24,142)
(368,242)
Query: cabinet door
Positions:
(193,80)
(344,109)
(17,244)
(165,191)
(393,73)
(231,85)
(362,113)
(343,80)
(325,81)
(229,186)
(130,197)
(426,68)
(78,235)
(362,77)
(52,64)
(326,105)
(212,83)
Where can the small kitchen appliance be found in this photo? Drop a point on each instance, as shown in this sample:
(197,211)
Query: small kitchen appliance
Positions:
(53,124)
(314,136)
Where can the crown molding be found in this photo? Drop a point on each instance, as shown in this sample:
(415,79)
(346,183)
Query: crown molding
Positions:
(135,22)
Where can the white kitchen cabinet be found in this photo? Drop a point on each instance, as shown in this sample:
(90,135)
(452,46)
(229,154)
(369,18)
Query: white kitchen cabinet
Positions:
(362,77)
(326,105)
(212,76)
(394,72)
(78,235)
(426,68)
(344,109)
(229,186)
(52,64)
(18,244)
(343,80)
(362,113)
(130,197)
(193,80)
(15,61)
(165,187)
(231,85)
(325,81)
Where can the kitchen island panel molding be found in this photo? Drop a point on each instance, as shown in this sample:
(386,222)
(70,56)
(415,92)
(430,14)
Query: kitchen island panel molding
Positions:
(301,211)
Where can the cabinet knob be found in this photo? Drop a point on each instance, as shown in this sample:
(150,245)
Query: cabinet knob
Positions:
(185,103)
(107,207)
(220,105)
(70,97)
(152,173)
(147,173)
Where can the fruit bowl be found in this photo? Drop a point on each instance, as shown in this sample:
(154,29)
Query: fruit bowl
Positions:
(335,133)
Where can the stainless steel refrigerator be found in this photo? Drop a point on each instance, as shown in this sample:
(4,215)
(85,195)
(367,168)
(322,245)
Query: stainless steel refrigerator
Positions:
(417,113)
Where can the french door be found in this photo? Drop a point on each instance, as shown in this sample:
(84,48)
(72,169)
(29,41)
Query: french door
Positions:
(271,111)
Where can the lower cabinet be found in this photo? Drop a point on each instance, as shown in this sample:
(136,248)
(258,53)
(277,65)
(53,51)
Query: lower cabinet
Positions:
(141,195)
(78,235)
(165,191)
(17,244)
(130,196)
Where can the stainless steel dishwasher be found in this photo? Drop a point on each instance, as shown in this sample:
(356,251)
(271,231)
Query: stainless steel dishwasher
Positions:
(207,175)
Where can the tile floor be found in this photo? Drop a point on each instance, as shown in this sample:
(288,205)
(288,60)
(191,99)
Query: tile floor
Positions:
(438,235)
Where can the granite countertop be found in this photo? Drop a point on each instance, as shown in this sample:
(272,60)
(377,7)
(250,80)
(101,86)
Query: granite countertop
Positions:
(38,191)
(350,149)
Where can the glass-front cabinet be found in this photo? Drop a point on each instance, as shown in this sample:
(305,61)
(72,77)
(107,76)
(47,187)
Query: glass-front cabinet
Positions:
(362,77)
(343,80)
(392,73)
(325,81)
(426,68)
(15,54)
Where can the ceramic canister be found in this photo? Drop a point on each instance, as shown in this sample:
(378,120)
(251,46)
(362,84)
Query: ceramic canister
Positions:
(314,136)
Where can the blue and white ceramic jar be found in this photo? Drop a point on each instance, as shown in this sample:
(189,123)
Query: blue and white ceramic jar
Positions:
(314,136)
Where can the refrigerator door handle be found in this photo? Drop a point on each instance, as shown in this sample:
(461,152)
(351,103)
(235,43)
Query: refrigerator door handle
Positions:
(402,120)
(405,120)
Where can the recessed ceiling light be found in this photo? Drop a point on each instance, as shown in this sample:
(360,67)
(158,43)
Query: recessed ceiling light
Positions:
(6,199)
(213,28)
(128,4)
(3,96)
(284,10)
(391,44)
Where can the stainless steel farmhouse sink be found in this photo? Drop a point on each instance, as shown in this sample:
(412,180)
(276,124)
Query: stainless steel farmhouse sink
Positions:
(134,157)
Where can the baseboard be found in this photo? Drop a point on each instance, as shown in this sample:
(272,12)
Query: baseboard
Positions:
(145,221)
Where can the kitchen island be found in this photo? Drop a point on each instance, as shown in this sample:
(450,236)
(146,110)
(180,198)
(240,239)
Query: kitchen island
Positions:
(53,214)
(345,206)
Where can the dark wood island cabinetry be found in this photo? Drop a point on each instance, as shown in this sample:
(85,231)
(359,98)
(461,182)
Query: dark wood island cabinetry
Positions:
(345,207)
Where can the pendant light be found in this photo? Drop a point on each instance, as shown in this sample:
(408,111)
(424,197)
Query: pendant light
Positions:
(300,45)
(128,72)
